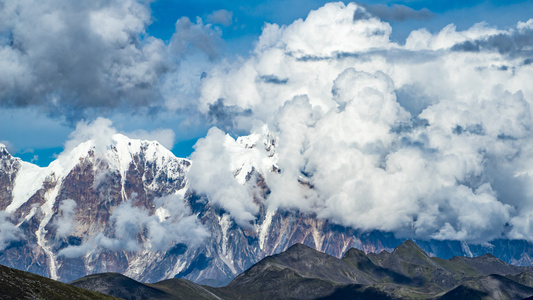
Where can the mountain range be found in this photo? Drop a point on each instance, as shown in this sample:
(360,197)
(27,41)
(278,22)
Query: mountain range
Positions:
(301,272)
(127,207)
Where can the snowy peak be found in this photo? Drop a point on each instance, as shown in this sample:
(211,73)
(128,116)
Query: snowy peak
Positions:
(257,153)
(125,149)
(116,154)
(3,152)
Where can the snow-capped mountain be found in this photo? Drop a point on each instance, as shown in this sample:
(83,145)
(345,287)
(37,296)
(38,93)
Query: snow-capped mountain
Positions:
(128,207)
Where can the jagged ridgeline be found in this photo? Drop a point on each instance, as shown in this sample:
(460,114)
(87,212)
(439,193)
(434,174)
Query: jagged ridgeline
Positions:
(301,272)
(128,207)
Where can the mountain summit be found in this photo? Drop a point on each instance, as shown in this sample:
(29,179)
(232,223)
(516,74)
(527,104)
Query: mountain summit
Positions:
(127,206)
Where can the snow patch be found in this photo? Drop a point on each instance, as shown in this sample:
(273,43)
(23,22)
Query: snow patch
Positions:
(228,263)
(28,181)
(225,223)
(319,240)
(46,209)
(265,226)
(162,213)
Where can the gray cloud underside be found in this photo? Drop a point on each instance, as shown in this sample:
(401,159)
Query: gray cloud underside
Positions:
(395,12)
(76,59)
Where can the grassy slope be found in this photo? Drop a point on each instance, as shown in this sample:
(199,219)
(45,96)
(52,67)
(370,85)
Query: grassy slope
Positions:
(16,284)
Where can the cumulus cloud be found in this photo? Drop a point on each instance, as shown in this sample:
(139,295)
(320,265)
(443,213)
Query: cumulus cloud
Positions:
(67,57)
(212,173)
(65,223)
(77,60)
(419,139)
(171,222)
(9,232)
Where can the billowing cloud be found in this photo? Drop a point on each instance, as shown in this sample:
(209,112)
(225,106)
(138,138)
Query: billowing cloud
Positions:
(427,139)
(68,56)
(515,42)
(78,60)
(212,173)
(100,131)
(418,139)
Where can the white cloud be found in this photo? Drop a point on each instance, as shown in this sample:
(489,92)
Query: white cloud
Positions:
(65,222)
(67,56)
(9,232)
(212,174)
(171,222)
(100,131)
(427,140)
(75,60)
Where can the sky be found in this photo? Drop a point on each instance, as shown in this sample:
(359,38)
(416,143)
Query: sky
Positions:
(415,110)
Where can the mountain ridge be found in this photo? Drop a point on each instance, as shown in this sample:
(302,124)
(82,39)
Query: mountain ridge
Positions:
(94,191)
(301,272)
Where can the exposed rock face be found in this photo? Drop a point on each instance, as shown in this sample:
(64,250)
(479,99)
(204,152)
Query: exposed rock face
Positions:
(94,211)
(133,171)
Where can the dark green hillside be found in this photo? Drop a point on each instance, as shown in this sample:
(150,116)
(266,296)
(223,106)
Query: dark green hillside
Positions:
(120,286)
(16,284)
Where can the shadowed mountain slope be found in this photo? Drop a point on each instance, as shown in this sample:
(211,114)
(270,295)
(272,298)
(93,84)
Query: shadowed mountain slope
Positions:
(16,284)
(120,286)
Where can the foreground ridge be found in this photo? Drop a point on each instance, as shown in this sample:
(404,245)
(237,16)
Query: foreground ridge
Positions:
(16,284)
(301,272)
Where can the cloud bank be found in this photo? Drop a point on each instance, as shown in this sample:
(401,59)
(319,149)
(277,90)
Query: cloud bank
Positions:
(429,139)
(74,60)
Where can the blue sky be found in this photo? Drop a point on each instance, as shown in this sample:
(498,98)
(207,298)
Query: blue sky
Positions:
(35,131)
